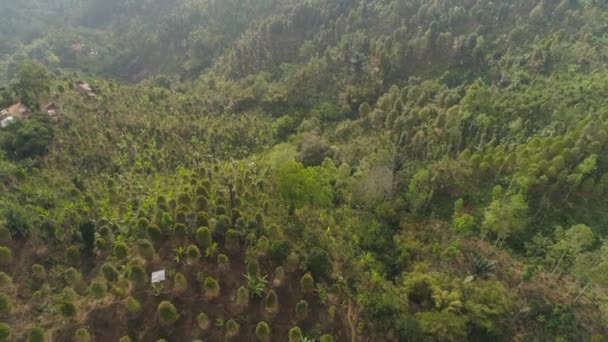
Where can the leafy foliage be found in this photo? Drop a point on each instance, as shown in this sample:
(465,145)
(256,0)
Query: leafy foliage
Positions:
(167,312)
(483,267)
(36,334)
(399,163)
(5,331)
(262,331)
(299,186)
(256,285)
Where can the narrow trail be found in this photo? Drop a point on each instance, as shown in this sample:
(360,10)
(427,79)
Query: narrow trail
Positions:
(352,320)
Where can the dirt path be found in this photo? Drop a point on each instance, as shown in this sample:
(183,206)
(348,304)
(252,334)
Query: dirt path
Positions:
(352,321)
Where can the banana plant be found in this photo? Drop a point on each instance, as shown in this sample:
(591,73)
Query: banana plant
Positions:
(178,254)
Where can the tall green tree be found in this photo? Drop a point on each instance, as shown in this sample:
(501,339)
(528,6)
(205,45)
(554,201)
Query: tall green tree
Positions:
(33,82)
(591,268)
(300,186)
(571,243)
(505,216)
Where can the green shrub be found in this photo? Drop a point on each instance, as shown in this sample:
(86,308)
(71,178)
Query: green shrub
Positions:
(233,240)
(279,277)
(125,339)
(72,255)
(183,199)
(146,249)
(271,303)
(202,203)
(193,253)
(106,232)
(68,310)
(279,250)
(262,246)
(223,262)
(6,305)
(82,335)
(69,294)
(17,223)
(180,283)
(220,210)
(212,288)
(100,243)
(295,334)
(37,299)
(36,334)
(180,216)
(180,231)
(38,272)
(326,338)
(110,273)
(154,233)
(5,280)
(167,312)
(132,305)
(137,276)
(142,227)
(240,225)
(202,219)
(283,127)
(120,250)
(463,224)
(262,332)
(232,328)
(202,321)
(6,256)
(319,263)
(203,237)
(166,223)
(275,232)
(301,310)
(181,210)
(307,283)
(5,331)
(292,262)
(98,289)
(242,297)
(72,277)
(222,224)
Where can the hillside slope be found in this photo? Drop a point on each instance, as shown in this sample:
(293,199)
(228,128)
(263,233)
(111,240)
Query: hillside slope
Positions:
(373,170)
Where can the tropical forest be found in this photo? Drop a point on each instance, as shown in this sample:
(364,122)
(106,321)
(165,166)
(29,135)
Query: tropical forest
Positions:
(303,170)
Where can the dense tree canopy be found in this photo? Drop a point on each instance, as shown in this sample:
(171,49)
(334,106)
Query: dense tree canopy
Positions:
(382,170)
